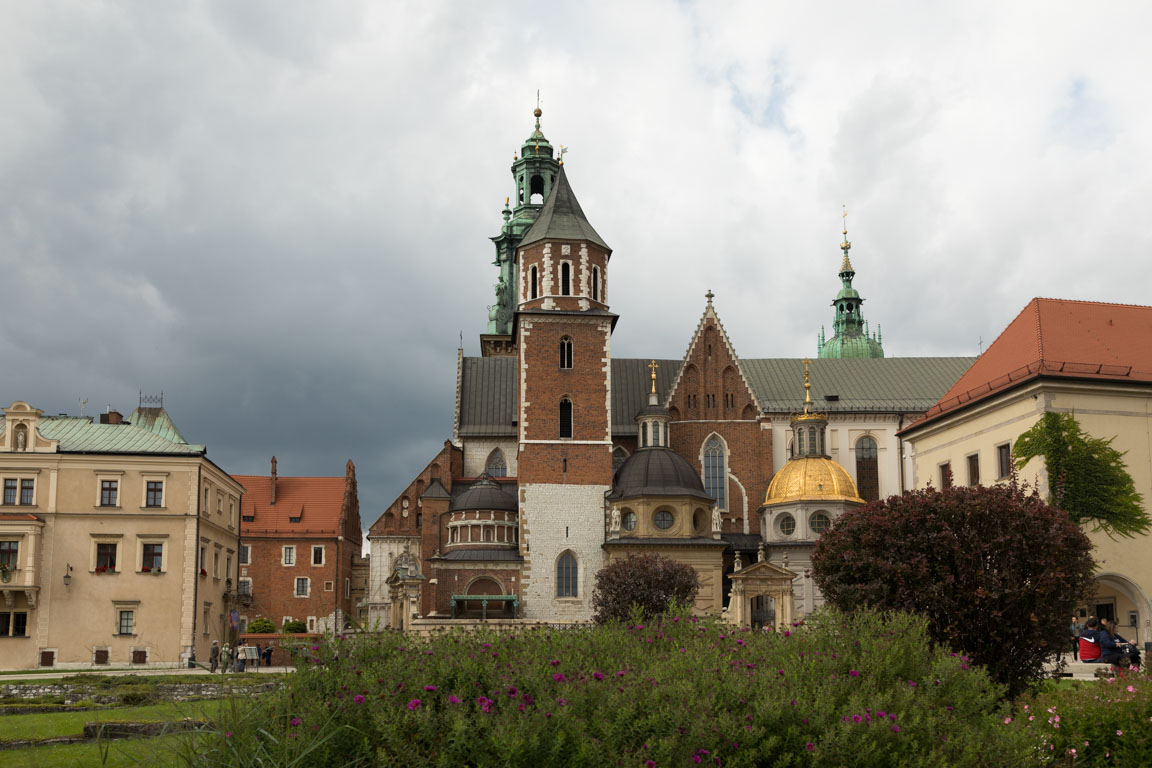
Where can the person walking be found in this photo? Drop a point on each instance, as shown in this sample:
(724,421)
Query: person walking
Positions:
(268,655)
(226,658)
(214,656)
(241,656)
(1074,630)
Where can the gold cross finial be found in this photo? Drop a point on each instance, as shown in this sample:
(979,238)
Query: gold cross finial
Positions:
(652,366)
(844,246)
(807,386)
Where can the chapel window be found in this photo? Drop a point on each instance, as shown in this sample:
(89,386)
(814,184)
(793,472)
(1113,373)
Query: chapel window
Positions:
(565,418)
(566,353)
(715,471)
(566,573)
(566,279)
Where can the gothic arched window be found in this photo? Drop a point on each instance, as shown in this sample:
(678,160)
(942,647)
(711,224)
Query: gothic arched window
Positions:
(496,466)
(644,435)
(566,279)
(867,469)
(595,283)
(715,471)
(534,290)
(565,417)
(566,573)
(565,352)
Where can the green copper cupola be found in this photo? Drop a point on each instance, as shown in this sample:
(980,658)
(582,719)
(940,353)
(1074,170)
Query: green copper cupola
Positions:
(850,336)
(534,170)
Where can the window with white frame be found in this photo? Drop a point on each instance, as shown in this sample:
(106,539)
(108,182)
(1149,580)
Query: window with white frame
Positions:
(10,553)
(566,572)
(715,471)
(151,556)
(104,556)
(153,493)
(303,583)
(109,493)
(245,554)
(289,556)
(317,554)
(125,619)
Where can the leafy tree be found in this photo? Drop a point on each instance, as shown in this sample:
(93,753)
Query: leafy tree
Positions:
(649,583)
(1086,474)
(262,626)
(996,571)
(294,627)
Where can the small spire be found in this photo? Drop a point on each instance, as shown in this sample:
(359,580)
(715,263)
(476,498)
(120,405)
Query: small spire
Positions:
(709,296)
(807,387)
(845,246)
(652,366)
(563,149)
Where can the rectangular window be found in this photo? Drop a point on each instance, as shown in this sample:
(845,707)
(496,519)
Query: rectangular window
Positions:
(328,586)
(10,491)
(220,504)
(946,475)
(347,588)
(302,587)
(153,558)
(974,469)
(565,418)
(228,567)
(289,557)
(109,490)
(106,556)
(13,624)
(9,550)
(1004,460)
(248,518)
(154,494)
(317,555)
(245,554)
(215,565)
(127,623)
(203,559)
(27,492)
(231,514)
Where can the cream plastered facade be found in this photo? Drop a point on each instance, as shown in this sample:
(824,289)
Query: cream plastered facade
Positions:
(1124,573)
(173,611)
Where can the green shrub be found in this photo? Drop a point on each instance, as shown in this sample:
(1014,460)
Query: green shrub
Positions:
(262,626)
(1093,723)
(294,627)
(866,690)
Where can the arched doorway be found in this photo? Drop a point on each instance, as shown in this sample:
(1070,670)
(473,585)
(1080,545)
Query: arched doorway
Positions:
(1118,598)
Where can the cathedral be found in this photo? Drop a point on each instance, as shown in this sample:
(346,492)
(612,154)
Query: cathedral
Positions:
(563,457)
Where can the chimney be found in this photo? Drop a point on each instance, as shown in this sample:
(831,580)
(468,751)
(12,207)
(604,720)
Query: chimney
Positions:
(112,417)
(273,480)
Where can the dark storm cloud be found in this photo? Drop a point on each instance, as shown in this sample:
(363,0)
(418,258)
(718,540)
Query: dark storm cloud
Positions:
(277,213)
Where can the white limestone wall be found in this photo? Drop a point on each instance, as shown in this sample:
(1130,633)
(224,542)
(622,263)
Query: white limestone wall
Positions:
(476,451)
(842,434)
(555,518)
(384,551)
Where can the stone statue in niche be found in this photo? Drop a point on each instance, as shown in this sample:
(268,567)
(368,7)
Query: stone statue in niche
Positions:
(615,519)
(21,437)
(717,520)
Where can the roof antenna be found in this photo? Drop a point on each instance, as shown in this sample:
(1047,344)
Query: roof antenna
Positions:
(83,402)
(981,345)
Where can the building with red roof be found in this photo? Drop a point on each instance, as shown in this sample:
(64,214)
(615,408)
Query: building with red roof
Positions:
(300,537)
(1092,359)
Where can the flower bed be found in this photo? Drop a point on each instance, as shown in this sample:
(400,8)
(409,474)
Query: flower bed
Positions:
(869,690)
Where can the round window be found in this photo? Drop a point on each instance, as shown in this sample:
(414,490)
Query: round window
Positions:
(820,522)
(662,520)
(628,522)
(787,525)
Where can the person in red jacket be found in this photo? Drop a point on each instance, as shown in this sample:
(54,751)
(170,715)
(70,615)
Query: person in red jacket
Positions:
(1090,641)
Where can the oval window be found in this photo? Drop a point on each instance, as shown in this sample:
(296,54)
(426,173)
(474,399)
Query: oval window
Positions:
(820,522)
(628,522)
(787,525)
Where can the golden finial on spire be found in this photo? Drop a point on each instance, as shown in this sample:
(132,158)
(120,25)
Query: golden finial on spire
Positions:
(652,366)
(844,246)
(807,387)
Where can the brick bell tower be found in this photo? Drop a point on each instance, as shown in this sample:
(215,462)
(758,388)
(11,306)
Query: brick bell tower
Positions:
(562,332)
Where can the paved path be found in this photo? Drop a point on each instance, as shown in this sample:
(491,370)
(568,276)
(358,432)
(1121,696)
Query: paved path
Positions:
(146,672)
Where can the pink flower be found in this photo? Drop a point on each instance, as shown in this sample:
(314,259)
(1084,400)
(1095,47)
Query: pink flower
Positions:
(414,704)
(453,699)
(598,675)
(358,699)
(895,729)
(1119,733)
(810,746)
(621,673)
(650,764)
(912,683)
(853,673)
(1007,720)
(558,677)
(295,721)
(561,702)
(429,687)
(856,718)
(1131,689)
(554,662)
(227,734)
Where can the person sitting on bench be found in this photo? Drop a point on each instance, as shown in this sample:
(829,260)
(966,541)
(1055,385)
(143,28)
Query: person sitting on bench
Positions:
(1097,646)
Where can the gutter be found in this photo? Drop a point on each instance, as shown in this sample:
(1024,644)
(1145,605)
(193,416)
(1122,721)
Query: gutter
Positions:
(195,568)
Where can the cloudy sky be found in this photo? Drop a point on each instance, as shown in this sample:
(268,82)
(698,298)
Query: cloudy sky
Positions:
(278,213)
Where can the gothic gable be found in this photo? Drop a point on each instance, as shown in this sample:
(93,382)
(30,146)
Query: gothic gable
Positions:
(712,383)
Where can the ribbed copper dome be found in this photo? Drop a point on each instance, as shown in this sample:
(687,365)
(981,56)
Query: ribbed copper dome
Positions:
(656,472)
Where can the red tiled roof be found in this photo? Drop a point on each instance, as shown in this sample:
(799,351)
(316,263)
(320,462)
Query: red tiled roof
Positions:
(20,517)
(317,501)
(1058,338)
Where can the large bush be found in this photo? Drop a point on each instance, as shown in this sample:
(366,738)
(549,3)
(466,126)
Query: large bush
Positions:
(649,584)
(865,690)
(294,627)
(995,570)
(262,626)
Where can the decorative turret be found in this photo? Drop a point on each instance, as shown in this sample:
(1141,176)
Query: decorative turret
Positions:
(534,169)
(653,418)
(849,329)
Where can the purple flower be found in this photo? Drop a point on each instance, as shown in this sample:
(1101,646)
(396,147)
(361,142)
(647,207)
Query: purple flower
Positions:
(561,702)
(429,687)
(512,690)
(295,721)
(895,729)
(414,704)
(598,675)
(853,673)
(856,718)
(621,673)
(810,746)
(554,663)
(558,677)
(358,699)
(912,683)
(227,734)
(453,699)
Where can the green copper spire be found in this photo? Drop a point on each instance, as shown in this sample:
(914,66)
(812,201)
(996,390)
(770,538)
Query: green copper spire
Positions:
(534,169)
(849,328)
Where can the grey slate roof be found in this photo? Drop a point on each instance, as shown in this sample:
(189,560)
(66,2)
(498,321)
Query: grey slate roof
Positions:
(436,490)
(632,541)
(657,472)
(561,218)
(485,494)
(81,435)
(483,554)
(889,385)
(742,541)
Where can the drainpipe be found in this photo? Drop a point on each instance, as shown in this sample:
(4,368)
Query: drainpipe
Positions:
(195,573)
(900,450)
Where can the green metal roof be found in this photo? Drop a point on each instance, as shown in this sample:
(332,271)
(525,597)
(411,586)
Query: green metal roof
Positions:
(81,435)
(562,218)
(889,385)
(156,420)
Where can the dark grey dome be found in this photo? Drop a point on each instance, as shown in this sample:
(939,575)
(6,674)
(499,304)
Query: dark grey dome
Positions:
(653,410)
(657,472)
(484,494)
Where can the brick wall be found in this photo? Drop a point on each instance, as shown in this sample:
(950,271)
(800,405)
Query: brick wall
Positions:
(274,584)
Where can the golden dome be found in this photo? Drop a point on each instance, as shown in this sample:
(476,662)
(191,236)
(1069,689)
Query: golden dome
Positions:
(812,478)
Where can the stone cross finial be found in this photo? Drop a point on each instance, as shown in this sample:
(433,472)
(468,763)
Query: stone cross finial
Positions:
(709,296)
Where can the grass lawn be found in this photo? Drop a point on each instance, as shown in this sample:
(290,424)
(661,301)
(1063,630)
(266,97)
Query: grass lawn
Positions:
(110,754)
(54,724)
